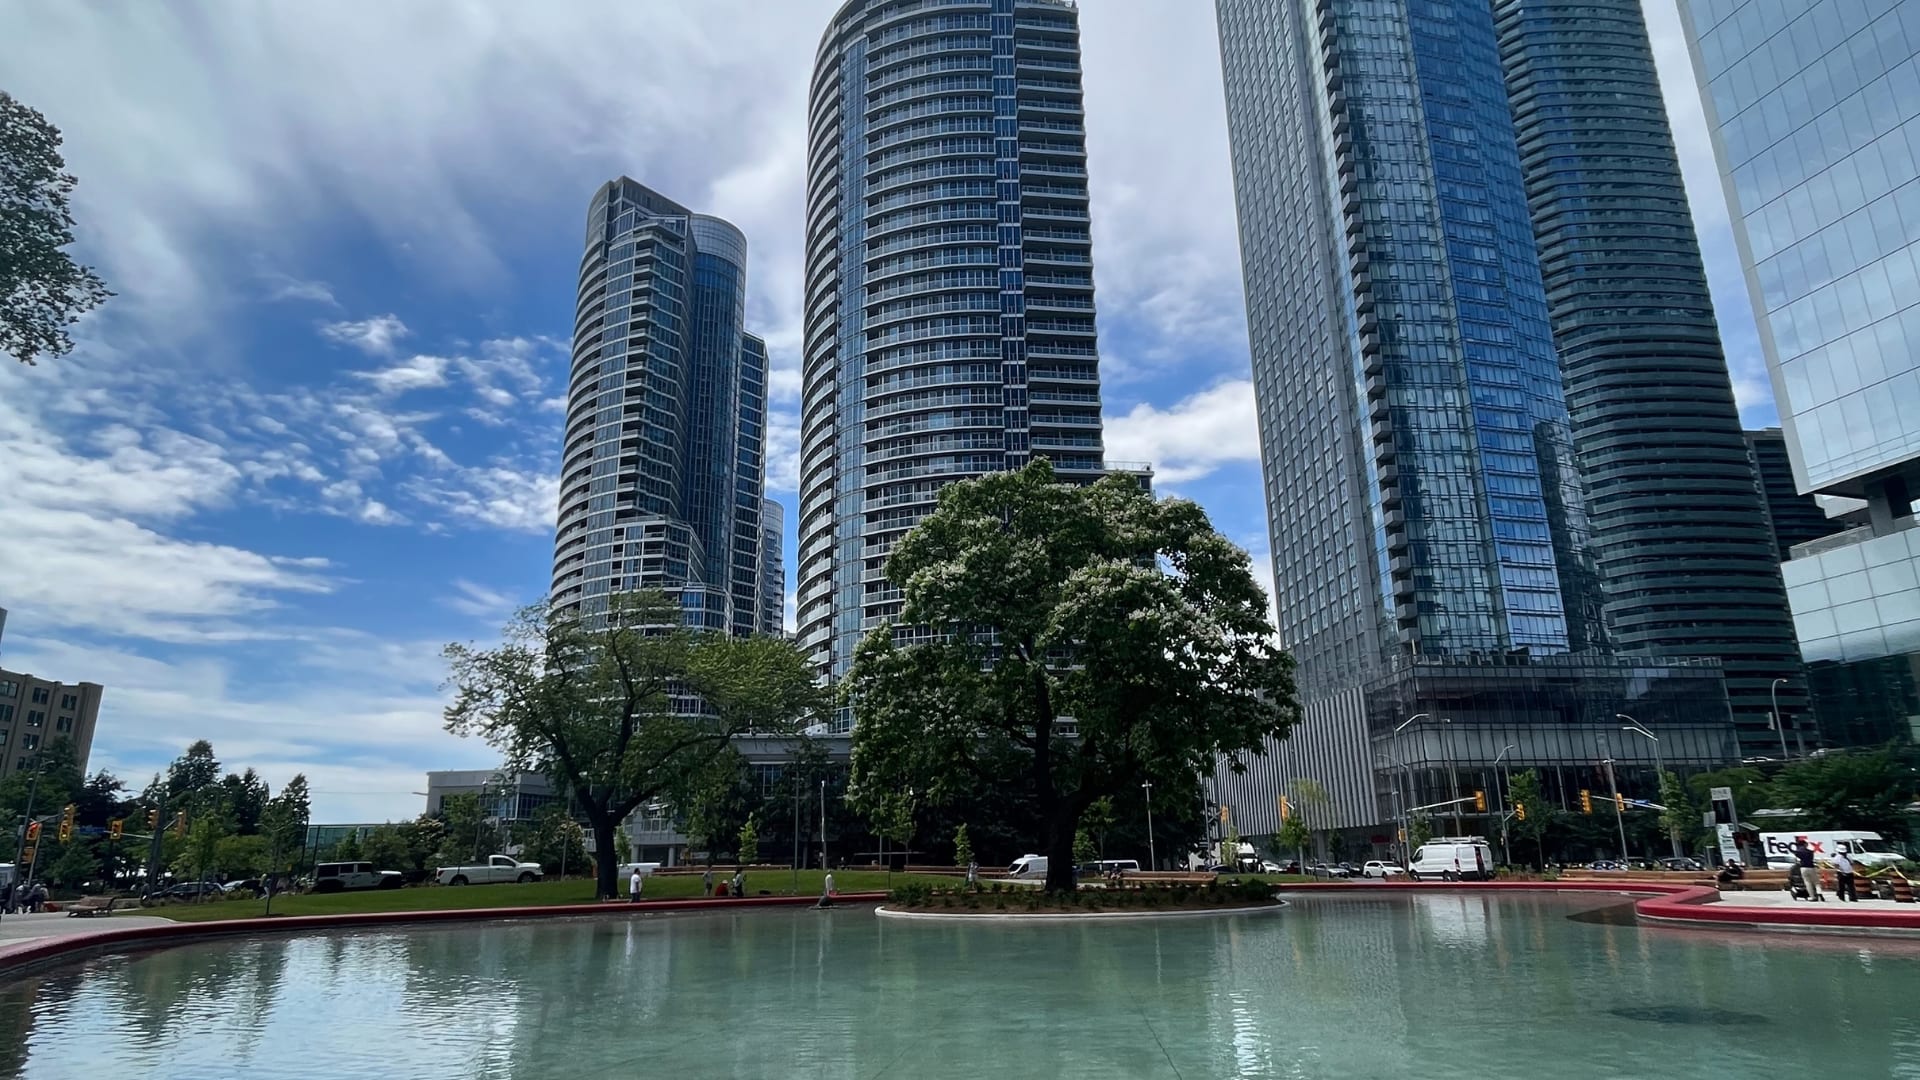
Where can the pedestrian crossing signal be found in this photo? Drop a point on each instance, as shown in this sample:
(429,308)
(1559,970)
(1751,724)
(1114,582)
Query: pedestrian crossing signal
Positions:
(116,827)
(1586,801)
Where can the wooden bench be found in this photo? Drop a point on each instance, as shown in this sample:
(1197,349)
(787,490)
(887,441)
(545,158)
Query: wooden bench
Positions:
(90,906)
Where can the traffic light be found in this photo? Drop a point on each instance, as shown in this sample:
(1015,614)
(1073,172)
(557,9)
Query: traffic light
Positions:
(1480,802)
(1619,802)
(1285,808)
(33,832)
(66,822)
(1223,811)
(1586,801)
(153,818)
(115,828)
(180,823)
(1520,811)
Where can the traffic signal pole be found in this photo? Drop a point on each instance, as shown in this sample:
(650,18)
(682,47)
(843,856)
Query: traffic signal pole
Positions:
(1619,819)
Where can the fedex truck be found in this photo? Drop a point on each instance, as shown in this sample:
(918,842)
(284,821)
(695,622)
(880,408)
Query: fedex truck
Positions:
(1866,849)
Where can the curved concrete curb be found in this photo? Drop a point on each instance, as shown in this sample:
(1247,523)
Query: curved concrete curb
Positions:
(1071,916)
(42,952)
(1695,906)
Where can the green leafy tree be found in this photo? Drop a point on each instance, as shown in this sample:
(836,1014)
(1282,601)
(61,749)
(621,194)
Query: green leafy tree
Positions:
(385,847)
(100,800)
(715,803)
(1855,790)
(77,863)
(553,839)
(1097,820)
(199,857)
(1752,789)
(463,827)
(1294,837)
(599,703)
(423,836)
(283,822)
(1312,803)
(245,799)
(240,856)
(42,289)
(962,846)
(1084,850)
(749,849)
(53,781)
(348,849)
(1525,790)
(1681,818)
(1420,829)
(1036,601)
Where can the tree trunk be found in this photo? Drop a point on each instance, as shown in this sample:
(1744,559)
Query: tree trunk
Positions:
(606,860)
(1060,855)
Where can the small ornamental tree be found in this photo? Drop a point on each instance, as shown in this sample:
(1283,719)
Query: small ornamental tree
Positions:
(749,850)
(1525,791)
(962,847)
(624,706)
(1059,644)
(1293,837)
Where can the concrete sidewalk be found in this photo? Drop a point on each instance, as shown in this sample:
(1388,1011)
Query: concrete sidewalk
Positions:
(20,929)
(1779,898)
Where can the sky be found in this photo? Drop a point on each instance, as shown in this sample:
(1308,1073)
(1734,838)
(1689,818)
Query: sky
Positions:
(315,436)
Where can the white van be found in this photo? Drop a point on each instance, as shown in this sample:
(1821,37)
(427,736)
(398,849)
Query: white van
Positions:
(1028,868)
(1452,858)
(1866,848)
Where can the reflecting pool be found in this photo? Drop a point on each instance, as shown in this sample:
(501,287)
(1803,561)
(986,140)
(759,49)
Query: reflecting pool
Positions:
(1438,986)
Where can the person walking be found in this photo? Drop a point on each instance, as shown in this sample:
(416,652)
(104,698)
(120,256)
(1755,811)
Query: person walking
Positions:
(1809,873)
(739,883)
(1843,878)
(706,882)
(635,883)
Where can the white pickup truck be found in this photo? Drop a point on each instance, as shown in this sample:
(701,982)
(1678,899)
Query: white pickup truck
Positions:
(496,869)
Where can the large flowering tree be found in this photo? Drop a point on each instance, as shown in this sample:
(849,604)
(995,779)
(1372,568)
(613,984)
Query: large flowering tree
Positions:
(1064,643)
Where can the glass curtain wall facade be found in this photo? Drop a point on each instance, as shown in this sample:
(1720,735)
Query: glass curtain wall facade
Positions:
(663,418)
(1424,503)
(1398,315)
(1815,112)
(949,304)
(1796,519)
(1685,556)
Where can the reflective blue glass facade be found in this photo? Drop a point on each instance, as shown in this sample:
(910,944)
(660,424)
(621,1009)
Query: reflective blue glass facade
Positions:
(1686,559)
(1379,182)
(665,406)
(1815,108)
(949,306)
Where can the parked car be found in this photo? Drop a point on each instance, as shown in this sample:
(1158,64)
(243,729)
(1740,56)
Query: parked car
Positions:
(193,890)
(1325,871)
(1608,864)
(496,869)
(1680,863)
(1376,868)
(252,885)
(330,877)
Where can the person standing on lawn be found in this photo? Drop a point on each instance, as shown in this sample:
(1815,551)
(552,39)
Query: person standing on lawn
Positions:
(634,884)
(706,882)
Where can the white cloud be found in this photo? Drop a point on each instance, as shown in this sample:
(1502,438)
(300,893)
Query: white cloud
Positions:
(414,373)
(286,287)
(375,336)
(1192,438)
(480,601)
(500,495)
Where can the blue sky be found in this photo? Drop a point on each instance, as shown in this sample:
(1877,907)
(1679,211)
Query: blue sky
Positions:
(315,435)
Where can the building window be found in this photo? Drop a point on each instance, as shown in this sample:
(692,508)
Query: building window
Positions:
(29,742)
(40,695)
(6,713)
(69,701)
(3,736)
(9,688)
(35,717)
(64,723)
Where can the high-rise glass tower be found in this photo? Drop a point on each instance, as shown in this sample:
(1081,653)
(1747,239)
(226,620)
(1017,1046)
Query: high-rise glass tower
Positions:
(663,467)
(1815,113)
(1686,558)
(949,277)
(1433,560)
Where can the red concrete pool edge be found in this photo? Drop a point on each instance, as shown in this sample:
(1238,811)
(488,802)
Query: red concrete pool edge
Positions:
(40,952)
(1674,905)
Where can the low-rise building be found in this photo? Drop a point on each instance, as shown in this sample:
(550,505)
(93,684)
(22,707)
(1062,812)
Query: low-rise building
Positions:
(36,713)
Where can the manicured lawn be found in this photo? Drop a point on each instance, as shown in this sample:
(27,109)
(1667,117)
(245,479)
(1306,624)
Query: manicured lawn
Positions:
(532,894)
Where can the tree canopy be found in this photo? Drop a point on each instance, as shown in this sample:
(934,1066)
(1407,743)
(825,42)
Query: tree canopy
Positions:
(622,707)
(1064,643)
(42,290)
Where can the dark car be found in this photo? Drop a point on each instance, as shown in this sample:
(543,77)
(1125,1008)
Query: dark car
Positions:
(1608,864)
(192,890)
(1680,863)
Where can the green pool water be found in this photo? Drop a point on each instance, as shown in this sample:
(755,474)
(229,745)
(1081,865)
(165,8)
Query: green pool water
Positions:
(1434,986)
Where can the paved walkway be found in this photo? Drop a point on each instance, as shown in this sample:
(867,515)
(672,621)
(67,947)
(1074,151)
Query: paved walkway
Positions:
(20,929)
(1778,898)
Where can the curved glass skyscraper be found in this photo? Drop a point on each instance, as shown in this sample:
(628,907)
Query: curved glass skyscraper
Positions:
(1680,533)
(662,470)
(949,276)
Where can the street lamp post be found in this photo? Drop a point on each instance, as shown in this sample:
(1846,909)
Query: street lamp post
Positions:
(1506,848)
(1453,776)
(1779,724)
(1613,786)
(1406,803)
(1152,861)
(1659,770)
